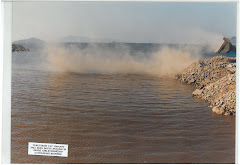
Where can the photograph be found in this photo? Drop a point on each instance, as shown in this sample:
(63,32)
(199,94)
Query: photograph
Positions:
(123,82)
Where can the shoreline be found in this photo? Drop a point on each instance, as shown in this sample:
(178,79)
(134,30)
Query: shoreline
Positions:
(215,80)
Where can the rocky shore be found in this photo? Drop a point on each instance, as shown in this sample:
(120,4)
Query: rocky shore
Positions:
(215,80)
(18,48)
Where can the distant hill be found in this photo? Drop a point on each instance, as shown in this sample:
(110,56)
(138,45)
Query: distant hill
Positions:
(31,43)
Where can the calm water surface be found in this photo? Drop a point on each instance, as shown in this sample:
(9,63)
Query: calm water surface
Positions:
(120,118)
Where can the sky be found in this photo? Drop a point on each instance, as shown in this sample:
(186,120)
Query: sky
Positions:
(156,22)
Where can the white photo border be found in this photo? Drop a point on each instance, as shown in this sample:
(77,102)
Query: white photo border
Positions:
(6,52)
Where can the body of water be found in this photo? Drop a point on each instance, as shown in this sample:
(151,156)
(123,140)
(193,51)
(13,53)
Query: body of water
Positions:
(113,118)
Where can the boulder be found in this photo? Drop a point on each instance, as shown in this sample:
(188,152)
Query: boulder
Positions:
(197,92)
(226,46)
(218,110)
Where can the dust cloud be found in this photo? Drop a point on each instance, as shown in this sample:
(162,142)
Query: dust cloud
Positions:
(94,59)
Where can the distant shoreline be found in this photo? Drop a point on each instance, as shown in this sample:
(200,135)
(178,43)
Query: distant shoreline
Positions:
(215,80)
(19,48)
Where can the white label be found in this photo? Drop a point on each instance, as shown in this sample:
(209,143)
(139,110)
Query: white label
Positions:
(47,149)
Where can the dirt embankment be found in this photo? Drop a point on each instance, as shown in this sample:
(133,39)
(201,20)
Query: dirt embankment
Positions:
(215,80)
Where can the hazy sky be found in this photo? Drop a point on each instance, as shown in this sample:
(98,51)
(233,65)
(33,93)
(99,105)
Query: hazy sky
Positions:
(124,21)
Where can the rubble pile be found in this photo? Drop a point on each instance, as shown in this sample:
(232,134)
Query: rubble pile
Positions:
(215,80)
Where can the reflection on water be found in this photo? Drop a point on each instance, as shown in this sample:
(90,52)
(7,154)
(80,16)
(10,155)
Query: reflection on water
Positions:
(116,119)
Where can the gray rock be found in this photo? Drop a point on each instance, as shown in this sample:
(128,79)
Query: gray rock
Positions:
(226,46)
